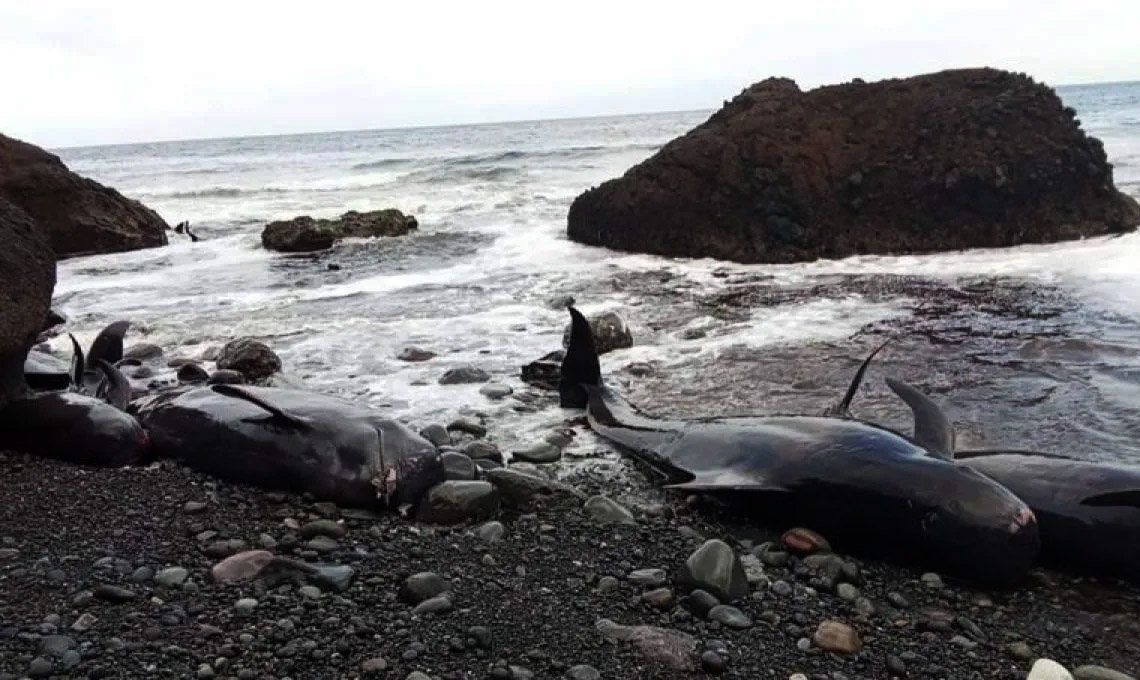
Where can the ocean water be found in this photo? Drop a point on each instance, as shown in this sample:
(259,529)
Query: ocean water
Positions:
(1036,345)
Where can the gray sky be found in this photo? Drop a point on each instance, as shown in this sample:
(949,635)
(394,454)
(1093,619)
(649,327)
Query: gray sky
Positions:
(87,73)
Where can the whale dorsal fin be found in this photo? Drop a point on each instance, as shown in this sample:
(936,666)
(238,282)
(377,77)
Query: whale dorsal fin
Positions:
(78,365)
(279,416)
(116,389)
(108,345)
(843,408)
(932,429)
(1130,497)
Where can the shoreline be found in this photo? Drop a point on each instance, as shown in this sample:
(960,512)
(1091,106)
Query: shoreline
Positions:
(539,592)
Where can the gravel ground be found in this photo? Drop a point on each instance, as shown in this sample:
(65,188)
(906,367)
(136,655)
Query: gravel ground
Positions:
(526,605)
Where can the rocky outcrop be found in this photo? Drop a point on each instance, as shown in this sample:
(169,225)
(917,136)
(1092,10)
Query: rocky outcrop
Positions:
(305,234)
(957,159)
(79,215)
(27,276)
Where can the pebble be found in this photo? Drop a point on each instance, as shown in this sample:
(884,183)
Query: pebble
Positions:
(495,391)
(583,672)
(661,598)
(110,593)
(455,501)
(205,670)
(436,434)
(540,452)
(804,541)
(469,425)
(171,576)
(836,636)
(464,375)
(434,605)
(716,568)
(647,578)
(781,588)
(193,507)
(481,450)
(897,600)
(422,586)
(322,544)
(896,665)
(457,466)
(416,675)
(84,623)
(712,662)
(310,592)
(323,527)
(963,642)
(490,532)
(415,354)
(846,591)
(605,510)
(374,666)
(40,668)
(1047,669)
(1099,673)
(931,580)
(245,606)
(700,602)
(1020,650)
(730,616)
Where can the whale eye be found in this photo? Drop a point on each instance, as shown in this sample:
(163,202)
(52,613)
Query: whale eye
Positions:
(930,520)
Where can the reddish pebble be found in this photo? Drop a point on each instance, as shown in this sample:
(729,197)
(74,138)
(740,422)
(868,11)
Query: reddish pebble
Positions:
(836,636)
(804,541)
(244,566)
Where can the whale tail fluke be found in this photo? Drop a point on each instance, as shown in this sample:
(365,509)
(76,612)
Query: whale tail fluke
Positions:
(580,368)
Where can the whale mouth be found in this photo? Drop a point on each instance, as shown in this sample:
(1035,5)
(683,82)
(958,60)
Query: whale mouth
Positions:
(1023,519)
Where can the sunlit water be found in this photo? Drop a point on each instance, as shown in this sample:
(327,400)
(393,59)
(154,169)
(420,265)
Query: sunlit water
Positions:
(477,282)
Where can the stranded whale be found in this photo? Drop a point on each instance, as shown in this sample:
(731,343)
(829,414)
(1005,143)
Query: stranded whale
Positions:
(299,441)
(860,484)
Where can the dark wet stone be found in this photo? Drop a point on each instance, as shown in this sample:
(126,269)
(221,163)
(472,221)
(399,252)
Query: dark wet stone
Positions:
(436,605)
(457,501)
(226,376)
(610,332)
(700,602)
(253,359)
(729,616)
(415,354)
(422,586)
(490,532)
(481,450)
(457,466)
(192,374)
(605,510)
(436,434)
(469,425)
(539,452)
(522,491)
(712,662)
(716,568)
(113,593)
(464,375)
(322,527)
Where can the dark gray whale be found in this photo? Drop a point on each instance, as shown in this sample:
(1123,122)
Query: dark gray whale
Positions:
(863,486)
(1089,513)
(293,440)
(73,427)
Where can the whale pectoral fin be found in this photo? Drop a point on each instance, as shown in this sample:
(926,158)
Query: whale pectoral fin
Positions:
(116,389)
(278,416)
(78,366)
(1129,498)
(728,481)
(932,429)
(843,408)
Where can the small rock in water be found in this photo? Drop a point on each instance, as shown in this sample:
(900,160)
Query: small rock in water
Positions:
(836,636)
(608,511)
(716,568)
(251,358)
(729,616)
(540,452)
(436,434)
(804,541)
(1047,669)
(415,354)
(464,375)
(457,466)
(496,391)
(610,332)
(143,351)
(481,450)
(226,376)
(469,425)
(1099,673)
(192,374)
(450,502)
(422,586)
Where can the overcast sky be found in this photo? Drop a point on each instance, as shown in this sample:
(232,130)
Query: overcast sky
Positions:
(88,73)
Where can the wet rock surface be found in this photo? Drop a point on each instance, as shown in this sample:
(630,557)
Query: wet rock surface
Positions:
(305,234)
(530,590)
(27,276)
(78,215)
(957,159)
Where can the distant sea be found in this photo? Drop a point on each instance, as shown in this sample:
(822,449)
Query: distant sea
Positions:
(476,283)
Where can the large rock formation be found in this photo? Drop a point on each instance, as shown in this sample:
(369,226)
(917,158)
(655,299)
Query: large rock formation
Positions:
(79,215)
(304,234)
(27,276)
(957,159)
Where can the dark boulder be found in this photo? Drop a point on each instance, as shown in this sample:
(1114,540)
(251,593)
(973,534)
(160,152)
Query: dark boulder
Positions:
(251,358)
(957,159)
(610,332)
(79,215)
(305,234)
(27,277)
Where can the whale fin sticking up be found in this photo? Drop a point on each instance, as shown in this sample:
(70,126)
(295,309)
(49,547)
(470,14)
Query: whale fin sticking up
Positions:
(580,367)
(78,365)
(108,345)
(115,389)
(1128,498)
(843,408)
(932,429)
(278,415)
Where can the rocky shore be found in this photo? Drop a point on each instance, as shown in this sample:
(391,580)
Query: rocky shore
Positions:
(107,573)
